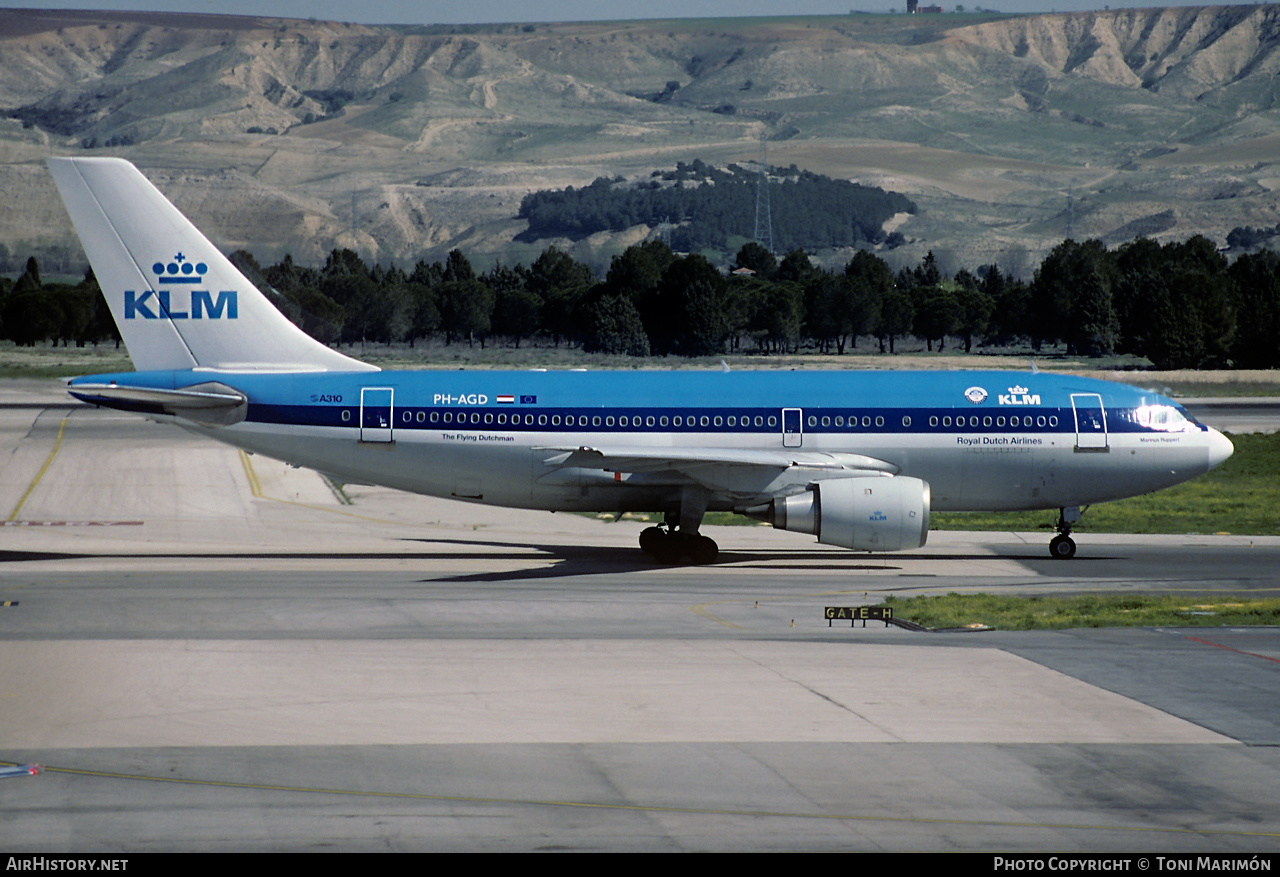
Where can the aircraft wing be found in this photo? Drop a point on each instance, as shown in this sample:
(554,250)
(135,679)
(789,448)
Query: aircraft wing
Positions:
(741,472)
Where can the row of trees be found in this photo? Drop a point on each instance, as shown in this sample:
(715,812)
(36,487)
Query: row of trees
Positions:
(32,312)
(1180,305)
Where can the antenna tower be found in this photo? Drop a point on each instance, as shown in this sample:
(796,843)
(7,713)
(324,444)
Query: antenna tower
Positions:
(764,216)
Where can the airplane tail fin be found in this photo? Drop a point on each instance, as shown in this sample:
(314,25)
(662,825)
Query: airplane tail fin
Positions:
(178,302)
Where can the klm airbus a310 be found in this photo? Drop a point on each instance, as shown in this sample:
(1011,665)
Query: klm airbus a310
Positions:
(858,459)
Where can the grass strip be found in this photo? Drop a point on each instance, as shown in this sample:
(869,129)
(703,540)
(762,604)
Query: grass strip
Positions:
(1015,612)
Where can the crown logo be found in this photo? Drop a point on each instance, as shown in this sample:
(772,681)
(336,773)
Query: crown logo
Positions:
(180,270)
(1018,391)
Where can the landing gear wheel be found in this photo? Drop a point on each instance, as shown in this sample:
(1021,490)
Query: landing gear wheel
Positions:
(669,551)
(651,539)
(670,547)
(1062,548)
(702,549)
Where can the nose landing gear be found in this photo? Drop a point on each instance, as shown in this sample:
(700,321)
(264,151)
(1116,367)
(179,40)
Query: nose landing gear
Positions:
(1062,546)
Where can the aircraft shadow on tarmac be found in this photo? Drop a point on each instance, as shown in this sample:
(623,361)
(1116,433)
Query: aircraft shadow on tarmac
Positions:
(566,561)
(576,560)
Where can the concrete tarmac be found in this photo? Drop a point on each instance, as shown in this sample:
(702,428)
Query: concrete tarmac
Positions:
(211,651)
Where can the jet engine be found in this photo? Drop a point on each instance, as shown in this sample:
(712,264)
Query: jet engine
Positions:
(868,514)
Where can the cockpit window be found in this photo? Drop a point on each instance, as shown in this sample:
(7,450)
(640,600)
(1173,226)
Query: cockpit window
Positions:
(1165,418)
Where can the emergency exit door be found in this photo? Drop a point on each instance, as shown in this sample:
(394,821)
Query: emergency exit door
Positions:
(792,427)
(1091,422)
(376,409)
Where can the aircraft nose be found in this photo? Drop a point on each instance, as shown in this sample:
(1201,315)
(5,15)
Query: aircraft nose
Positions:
(1220,448)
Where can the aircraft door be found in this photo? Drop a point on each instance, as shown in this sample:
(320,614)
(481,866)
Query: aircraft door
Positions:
(1091,422)
(792,427)
(376,409)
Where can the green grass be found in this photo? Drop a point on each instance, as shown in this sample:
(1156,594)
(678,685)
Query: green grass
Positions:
(1242,496)
(1015,612)
(61,362)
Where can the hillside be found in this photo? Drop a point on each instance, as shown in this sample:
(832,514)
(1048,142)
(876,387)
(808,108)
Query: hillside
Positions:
(1009,132)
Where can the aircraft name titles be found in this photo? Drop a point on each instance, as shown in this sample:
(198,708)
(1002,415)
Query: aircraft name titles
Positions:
(970,441)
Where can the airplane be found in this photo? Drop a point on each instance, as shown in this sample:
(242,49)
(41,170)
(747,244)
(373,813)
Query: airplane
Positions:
(857,459)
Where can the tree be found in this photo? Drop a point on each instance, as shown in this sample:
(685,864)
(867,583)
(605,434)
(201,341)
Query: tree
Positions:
(1069,270)
(517,310)
(686,314)
(974,308)
(758,259)
(1256,302)
(870,280)
(1174,303)
(936,313)
(561,282)
(611,324)
(897,314)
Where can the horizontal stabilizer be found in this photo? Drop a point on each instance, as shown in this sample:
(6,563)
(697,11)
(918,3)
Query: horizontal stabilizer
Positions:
(210,403)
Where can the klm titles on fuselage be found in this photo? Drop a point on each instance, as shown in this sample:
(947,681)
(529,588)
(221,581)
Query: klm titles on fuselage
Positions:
(1016,396)
(1019,396)
(154,304)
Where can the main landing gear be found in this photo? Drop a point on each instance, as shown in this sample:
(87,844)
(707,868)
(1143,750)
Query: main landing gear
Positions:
(1062,546)
(671,546)
(677,539)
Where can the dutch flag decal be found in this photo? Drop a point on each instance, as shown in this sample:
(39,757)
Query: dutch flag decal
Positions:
(506,398)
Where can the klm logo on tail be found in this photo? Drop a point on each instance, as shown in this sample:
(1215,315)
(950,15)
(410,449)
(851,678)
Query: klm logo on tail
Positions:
(180,303)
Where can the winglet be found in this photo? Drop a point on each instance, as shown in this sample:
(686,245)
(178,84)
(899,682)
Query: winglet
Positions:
(178,301)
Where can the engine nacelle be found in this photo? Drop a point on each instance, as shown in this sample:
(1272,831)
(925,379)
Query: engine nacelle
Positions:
(869,514)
